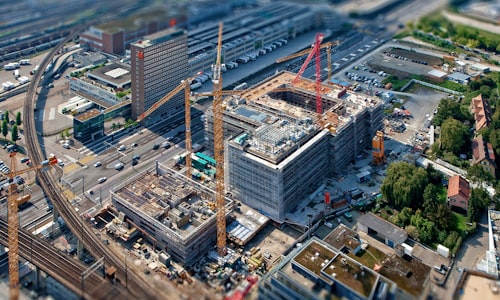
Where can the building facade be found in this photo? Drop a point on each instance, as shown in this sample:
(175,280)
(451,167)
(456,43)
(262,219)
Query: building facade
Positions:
(277,153)
(88,126)
(458,192)
(159,63)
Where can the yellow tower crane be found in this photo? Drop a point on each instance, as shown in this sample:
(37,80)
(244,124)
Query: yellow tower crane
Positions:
(219,149)
(327,45)
(185,85)
(13,222)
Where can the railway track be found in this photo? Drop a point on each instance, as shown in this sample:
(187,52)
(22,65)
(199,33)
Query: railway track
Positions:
(138,287)
(60,266)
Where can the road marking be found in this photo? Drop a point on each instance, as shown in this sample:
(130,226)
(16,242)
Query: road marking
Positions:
(52,113)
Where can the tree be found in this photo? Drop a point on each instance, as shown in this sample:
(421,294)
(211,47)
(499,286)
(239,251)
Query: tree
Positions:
(14,133)
(6,116)
(405,216)
(66,132)
(453,135)
(430,203)
(448,108)
(18,118)
(404,185)
(412,231)
(451,239)
(479,175)
(443,217)
(478,201)
(494,139)
(427,231)
(5,128)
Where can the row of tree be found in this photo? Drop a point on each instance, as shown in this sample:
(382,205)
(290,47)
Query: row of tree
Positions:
(14,129)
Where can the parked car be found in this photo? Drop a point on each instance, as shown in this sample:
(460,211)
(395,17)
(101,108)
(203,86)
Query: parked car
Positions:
(97,164)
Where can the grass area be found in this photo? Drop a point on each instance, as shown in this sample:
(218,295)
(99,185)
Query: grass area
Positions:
(443,193)
(397,83)
(368,257)
(460,222)
(438,30)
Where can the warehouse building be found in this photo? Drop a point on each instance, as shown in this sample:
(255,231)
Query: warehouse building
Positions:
(278,151)
(178,213)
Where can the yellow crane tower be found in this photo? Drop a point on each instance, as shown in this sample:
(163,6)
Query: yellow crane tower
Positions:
(327,45)
(219,149)
(13,222)
(185,84)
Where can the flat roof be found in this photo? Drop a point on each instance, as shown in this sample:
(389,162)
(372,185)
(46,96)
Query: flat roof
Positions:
(475,285)
(159,37)
(87,115)
(381,226)
(459,76)
(247,224)
(115,74)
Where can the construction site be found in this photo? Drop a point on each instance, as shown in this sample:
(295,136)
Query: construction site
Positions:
(280,149)
(176,214)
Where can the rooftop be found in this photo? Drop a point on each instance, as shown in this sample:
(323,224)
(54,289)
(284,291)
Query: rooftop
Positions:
(246,225)
(115,73)
(87,115)
(283,115)
(159,37)
(457,185)
(474,285)
(173,200)
(382,226)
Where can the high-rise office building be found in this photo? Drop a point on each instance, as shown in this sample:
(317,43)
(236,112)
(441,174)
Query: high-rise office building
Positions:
(158,64)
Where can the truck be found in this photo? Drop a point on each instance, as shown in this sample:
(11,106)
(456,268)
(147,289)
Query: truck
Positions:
(7,86)
(24,62)
(82,108)
(10,66)
(195,85)
(23,80)
(16,74)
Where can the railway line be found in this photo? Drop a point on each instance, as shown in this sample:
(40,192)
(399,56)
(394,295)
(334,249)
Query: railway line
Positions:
(62,267)
(138,287)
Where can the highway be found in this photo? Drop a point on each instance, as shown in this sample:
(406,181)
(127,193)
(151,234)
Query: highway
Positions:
(138,287)
(62,267)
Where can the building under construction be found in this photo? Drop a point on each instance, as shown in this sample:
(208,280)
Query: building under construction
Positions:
(176,213)
(279,150)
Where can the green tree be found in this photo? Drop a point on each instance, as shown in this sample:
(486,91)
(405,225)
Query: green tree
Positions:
(5,128)
(479,175)
(451,239)
(494,139)
(443,217)
(14,133)
(405,216)
(18,118)
(427,231)
(453,135)
(430,203)
(413,232)
(404,185)
(434,175)
(478,201)
(6,116)
(66,132)
(447,108)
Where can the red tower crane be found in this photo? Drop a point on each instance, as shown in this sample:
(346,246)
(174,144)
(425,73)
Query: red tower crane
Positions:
(314,52)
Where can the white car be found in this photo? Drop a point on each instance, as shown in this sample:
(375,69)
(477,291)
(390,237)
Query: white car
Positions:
(60,162)
(97,164)
(65,146)
(122,148)
(102,179)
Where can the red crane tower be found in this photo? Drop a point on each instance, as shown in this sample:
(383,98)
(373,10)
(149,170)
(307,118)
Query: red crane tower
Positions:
(314,52)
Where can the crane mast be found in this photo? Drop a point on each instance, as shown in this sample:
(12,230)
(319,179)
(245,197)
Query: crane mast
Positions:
(13,224)
(185,84)
(219,149)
